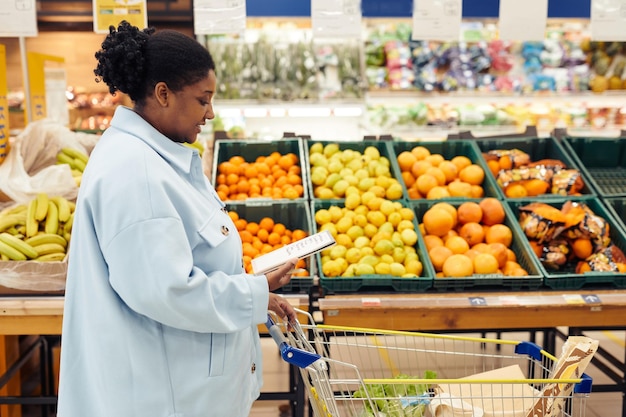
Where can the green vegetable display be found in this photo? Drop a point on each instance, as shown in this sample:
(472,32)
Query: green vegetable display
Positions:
(396,400)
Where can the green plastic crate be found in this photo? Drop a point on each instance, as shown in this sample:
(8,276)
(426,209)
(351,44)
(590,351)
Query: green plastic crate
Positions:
(537,149)
(566,278)
(373,283)
(383,148)
(250,149)
(604,162)
(449,149)
(294,215)
(519,245)
(617,207)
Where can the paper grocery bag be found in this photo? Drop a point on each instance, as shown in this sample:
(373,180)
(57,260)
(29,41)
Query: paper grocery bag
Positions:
(576,354)
(493,398)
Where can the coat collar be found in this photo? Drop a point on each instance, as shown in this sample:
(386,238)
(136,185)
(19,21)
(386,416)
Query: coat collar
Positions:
(126,120)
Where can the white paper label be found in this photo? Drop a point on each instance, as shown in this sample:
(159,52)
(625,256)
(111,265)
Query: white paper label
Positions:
(437,20)
(18,18)
(607,20)
(336,18)
(523,20)
(216,17)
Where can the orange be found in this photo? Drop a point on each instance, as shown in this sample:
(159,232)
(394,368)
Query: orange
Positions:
(294,179)
(458,188)
(472,174)
(425,183)
(246,236)
(505,162)
(477,191)
(438,256)
(251,171)
(449,170)
(414,193)
(236,160)
(291,193)
(449,208)
(536,187)
(437,193)
(241,224)
(267,223)
(273,239)
(461,161)
(437,221)
(582,248)
(249,250)
(298,234)
(493,211)
(420,152)
(243,186)
(221,179)
(494,167)
(435,159)
(469,212)
(253,228)
(285,162)
(285,240)
(279,228)
(457,244)
(458,265)
(515,190)
(262,234)
(233,215)
(485,263)
(420,167)
(436,172)
(408,178)
(432,241)
(499,233)
(406,159)
(232,179)
(499,251)
(472,232)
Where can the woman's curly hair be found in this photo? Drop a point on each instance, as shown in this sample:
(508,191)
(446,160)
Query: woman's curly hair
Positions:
(133,60)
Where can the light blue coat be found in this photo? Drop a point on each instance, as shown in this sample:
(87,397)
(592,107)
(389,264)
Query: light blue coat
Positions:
(160,319)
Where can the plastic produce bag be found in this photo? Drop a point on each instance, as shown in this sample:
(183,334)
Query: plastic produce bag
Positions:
(31,166)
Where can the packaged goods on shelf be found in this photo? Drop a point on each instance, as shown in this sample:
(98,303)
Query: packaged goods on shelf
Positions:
(576,240)
(537,167)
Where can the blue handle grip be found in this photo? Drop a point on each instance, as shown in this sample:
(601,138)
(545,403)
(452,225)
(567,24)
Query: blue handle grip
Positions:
(294,356)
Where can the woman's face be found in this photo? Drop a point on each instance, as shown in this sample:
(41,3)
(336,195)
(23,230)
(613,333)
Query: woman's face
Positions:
(189,109)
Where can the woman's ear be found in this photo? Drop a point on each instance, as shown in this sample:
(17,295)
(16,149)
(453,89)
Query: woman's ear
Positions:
(161,93)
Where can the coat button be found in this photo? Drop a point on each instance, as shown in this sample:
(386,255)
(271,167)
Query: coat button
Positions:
(225,231)
(253,369)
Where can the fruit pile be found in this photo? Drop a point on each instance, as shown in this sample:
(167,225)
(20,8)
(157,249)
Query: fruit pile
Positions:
(430,175)
(337,173)
(469,239)
(571,237)
(518,176)
(77,161)
(264,236)
(377,237)
(274,176)
(39,230)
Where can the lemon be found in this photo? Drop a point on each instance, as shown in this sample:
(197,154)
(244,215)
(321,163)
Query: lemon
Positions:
(366,197)
(362,209)
(364,269)
(387,207)
(405,224)
(322,216)
(394,218)
(366,250)
(353,200)
(361,174)
(376,218)
(344,240)
(331,269)
(398,254)
(409,237)
(344,224)
(379,191)
(370,230)
(336,213)
(338,251)
(316,148)
(414,267)
(332,179)
(331,228)
(361,242)
(394,191)
(354,232)
(372,152)
(407,213)
(386,258)
(353,255)
(360,220)
(340,187)
(369,260)
(352,190)
(324,193)
(383,246)
(397,269)
(330,149)
(382,268)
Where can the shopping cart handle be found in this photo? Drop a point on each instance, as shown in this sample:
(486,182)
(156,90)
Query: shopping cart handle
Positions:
(290,354)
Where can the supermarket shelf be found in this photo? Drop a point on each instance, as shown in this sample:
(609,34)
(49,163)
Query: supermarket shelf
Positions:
(478,311)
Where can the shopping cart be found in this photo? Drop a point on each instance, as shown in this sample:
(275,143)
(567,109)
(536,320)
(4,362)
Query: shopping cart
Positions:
(362,372)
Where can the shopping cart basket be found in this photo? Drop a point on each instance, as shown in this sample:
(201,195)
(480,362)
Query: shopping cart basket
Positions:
(362,372)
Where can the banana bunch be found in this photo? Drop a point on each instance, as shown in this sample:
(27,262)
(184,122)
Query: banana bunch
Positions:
(39,231)
(77,161)
(196,145)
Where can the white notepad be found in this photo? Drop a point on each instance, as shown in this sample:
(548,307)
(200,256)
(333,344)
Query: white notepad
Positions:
(299,249)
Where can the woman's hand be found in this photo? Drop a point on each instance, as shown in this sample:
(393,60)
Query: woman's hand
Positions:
(282,308)
(281,276)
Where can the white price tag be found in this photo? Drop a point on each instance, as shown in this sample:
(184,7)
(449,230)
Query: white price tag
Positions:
(437,20)
(607,20)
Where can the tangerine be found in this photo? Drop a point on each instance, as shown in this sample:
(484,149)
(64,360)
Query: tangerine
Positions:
(472,232)
(438,256)
(437,222)
(485,263)
(493,211)
(469,212)
(582,248)
(406,159)
(473,174)
(457,244)
(458,265)
(267,223)
(461,161)
(499,233)
(432,241)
